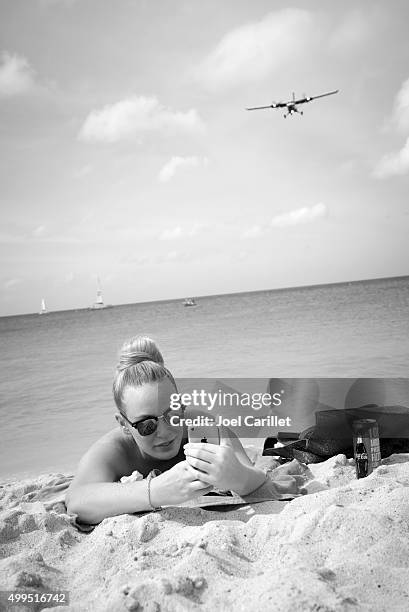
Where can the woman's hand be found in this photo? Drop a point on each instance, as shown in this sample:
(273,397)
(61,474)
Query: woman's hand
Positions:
(290,477)
(292,468)
(220,466)
(177,485)
(289,485)
(217,465)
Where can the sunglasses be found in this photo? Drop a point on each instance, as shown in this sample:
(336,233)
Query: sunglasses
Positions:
(148,425)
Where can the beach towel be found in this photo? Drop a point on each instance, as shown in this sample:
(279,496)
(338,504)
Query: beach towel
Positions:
(217,500)
(267,491)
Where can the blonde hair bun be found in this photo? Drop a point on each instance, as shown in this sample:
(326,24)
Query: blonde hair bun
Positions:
(137,350)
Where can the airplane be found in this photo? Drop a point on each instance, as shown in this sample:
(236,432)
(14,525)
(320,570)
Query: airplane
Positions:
(291,106)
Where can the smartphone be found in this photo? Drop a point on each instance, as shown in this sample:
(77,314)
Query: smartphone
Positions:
(207,434)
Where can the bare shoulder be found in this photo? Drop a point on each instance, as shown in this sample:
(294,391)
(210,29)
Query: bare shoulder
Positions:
(113,440)
(105,461)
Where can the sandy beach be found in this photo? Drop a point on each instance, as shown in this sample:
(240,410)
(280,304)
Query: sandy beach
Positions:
(341,547)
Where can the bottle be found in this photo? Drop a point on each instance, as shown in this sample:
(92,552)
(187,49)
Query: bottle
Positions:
(366,445)
(361,458)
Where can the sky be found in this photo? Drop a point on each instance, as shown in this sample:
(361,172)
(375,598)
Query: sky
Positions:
(126,152)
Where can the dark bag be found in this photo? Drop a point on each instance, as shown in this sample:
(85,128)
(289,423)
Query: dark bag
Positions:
(332,434)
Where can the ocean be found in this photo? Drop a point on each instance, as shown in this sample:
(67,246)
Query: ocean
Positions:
(57,369)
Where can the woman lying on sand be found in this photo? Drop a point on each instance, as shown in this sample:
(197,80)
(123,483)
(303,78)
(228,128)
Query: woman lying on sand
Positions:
(145,440)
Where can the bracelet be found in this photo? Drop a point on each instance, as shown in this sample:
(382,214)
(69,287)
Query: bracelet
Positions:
(148,480)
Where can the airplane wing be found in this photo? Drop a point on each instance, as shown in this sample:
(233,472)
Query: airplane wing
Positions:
(273,105)
(294,102)
(309,98)
(259,107)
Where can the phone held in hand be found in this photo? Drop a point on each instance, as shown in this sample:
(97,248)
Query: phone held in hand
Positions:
(207,434)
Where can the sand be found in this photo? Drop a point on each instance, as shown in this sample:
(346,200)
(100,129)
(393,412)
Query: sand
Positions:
(342,547)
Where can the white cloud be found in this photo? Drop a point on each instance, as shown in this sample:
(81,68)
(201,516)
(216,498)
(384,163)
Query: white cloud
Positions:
(397,163)
(253,232)
(177,232)
(393,164)
(294,217)
(11,283)
(255,50)
(136,115)
(299,215)
(169,169)
(69,278)
(401,107)
(139,260)
(202,228)
(168,257)
(83,171)
(16,75)
(38,231)
(171,234)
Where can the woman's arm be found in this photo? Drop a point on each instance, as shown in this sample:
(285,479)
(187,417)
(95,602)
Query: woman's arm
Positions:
(95,494)
(92,502)
(251,478)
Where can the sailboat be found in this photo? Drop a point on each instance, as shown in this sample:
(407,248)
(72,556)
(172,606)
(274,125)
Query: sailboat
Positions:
(99,303)
(43,308)
(189,302)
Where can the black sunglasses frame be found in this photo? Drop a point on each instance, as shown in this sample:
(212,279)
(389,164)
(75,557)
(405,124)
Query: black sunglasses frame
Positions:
(135,424)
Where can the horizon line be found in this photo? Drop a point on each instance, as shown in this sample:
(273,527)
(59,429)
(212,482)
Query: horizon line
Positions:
(209,295)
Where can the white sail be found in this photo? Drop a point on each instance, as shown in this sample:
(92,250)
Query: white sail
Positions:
(99,297)
(99,303)
(43,307)
(99,293)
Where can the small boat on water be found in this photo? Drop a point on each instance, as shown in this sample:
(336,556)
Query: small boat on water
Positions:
(99,303)
(189,302)
(43,308)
